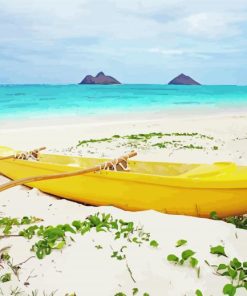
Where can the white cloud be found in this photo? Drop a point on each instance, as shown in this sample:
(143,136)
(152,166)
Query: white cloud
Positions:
(88,33)
(214,25)
(201,52)
(135,19)
(169,52)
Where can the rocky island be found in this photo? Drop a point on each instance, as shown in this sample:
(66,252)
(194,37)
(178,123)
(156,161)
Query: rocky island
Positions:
(183,80)
(100,78)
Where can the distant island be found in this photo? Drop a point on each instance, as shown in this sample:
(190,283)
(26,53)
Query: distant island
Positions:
(183,80)
(100,78)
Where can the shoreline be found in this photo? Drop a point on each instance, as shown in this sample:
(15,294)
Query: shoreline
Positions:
(227,130)
(55,120)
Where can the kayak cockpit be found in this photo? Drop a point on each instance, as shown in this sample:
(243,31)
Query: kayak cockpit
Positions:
(142,167)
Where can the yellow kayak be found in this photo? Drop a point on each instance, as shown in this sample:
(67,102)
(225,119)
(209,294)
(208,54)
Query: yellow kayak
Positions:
(174,188)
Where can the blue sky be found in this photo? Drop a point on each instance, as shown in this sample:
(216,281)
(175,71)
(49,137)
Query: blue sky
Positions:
(136,41)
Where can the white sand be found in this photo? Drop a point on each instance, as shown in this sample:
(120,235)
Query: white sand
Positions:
(83,269)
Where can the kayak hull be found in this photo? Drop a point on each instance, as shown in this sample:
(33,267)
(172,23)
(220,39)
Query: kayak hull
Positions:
(134,191)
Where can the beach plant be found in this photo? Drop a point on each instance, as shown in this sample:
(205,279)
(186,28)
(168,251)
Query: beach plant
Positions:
(218,250)
(5,277)
(191,146)
(29,232)
(139,140)
(199,292)
(181,242)
(135,291)
(6,223)
(154,244)
(5,256)
(7,262)
(55,237)
(119,255)
(16,291)
(236,272)
(186,256)
(238,221)
(83,142)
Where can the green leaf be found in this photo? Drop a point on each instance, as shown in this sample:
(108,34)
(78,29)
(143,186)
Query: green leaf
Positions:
(25,220)
(94,219)
(222,267)
(134,291)
(5,278)
(68,228)
(242,275)
(193,261)
(7,229)
(85,229)
(232,273)
(135,240)
(229,290)
(60,245)
(172,258)
(181,242)
(114,225)
(154,244)
(100,228)
(40,253)
(214,216)
(199,292)
(235,263)
(187,254)
(76,224)
(218,250)
(5,256)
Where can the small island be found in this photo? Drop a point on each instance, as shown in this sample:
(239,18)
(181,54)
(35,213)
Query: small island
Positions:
(100,78)
(183,80)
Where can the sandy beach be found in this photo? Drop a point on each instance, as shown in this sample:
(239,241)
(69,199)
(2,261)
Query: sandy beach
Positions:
(227,129)
(129,119)
(86,266)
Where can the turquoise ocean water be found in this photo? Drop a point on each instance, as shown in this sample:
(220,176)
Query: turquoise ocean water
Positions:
(29,101)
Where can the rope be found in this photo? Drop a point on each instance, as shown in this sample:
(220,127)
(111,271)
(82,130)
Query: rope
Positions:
(58,175)
(115,164)
(28,155)
(33,154)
